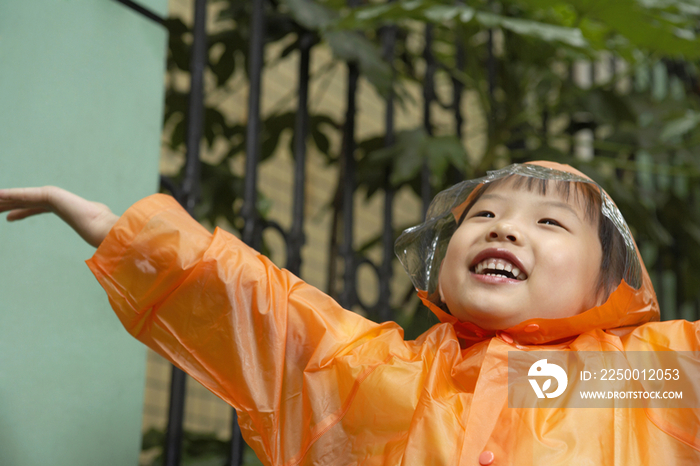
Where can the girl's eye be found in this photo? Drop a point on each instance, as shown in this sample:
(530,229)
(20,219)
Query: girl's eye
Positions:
(549,221)
(485,213)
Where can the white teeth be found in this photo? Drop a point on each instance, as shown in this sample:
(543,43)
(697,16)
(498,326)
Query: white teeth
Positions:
(493,264)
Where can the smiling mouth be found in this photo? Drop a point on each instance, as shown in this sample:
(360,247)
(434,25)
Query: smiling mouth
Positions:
(498,268)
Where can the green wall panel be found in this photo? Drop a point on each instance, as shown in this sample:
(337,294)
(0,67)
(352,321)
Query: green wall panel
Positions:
(81,93)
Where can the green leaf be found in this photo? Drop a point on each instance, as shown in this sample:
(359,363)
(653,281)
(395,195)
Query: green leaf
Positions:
(526,27)
(224,67)
(408,160)
(354,47)
(442,151)
(310,14)
(179,50)
(417,10)
(152,438)
(272,130)
(442,13)
(680,126)
(649,25)
(374,12)
(177,137)
(412,150)
(428,11)
(321,141)
(175,105)
(214,124)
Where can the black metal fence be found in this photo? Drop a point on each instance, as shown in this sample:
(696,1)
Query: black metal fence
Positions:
(188,192)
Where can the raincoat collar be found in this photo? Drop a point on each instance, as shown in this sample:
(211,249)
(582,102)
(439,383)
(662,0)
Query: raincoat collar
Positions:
(625,307)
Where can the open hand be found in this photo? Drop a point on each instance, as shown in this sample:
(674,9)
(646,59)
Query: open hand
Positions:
(91,220)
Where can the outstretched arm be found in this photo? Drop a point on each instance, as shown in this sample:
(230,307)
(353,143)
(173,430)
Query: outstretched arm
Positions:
(91,220)
(304,374)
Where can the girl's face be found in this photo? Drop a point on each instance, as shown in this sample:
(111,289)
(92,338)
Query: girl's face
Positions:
(520,254)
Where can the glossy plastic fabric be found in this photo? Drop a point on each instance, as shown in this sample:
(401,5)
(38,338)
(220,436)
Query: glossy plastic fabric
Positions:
(317,385)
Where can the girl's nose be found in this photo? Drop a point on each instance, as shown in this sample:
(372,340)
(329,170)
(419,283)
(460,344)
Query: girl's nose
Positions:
(504,232)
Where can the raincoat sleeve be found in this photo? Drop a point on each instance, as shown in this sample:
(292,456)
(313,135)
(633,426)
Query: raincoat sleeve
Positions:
(257,336)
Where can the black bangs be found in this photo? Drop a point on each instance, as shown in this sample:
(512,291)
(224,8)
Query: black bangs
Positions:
(585,193)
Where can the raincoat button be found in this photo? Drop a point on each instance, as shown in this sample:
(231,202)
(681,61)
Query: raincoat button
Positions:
(507,338)
(532,328)
(486,457)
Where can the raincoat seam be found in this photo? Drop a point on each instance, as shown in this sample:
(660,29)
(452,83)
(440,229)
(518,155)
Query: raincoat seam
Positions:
(340,414)
(646,413)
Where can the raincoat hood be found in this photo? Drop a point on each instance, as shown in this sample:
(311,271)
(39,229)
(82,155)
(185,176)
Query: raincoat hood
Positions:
(420,250)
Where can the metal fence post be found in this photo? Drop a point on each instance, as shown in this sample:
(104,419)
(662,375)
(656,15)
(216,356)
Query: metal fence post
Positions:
(301,130)
(385,269)
(188,196)
(348,296)
(249,211)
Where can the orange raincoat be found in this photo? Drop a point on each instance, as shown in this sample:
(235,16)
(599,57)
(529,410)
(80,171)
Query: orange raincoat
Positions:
(314,384)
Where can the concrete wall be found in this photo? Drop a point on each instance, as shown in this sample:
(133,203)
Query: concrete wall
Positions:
(81,92)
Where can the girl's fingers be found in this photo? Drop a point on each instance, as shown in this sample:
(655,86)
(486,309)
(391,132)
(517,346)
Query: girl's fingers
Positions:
(8,206)
(19,214)
(20,198)
(25,194)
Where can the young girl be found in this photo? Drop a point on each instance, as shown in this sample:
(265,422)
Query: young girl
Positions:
(531,257)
